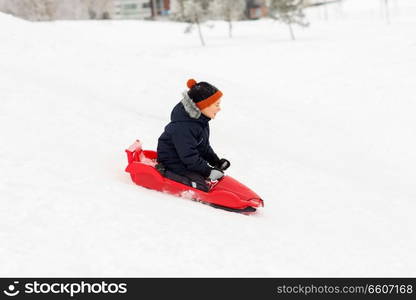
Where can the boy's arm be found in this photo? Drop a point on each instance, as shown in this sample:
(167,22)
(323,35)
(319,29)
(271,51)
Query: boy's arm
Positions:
(186,146)
(211,157)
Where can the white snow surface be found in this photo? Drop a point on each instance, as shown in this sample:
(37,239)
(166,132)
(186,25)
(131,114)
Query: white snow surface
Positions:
(322,128)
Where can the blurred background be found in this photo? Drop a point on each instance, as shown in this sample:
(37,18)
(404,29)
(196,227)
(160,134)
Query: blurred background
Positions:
(194,12)
(137,9)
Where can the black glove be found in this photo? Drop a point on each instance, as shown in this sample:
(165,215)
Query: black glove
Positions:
(215,174)
(223,164)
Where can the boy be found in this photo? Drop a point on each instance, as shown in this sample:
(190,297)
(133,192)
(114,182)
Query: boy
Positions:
(184,152)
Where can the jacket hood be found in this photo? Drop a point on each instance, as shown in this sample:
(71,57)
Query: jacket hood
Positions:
(186,110)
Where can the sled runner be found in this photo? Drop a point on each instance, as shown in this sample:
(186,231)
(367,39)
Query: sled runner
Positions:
(227,193)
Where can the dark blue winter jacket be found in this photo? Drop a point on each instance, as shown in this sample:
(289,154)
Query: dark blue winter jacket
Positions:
(184,145)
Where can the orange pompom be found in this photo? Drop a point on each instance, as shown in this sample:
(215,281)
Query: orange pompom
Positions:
(191,83)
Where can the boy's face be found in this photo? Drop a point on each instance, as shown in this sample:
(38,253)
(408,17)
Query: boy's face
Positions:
(212,110)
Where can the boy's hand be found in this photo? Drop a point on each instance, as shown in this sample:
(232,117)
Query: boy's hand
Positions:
(215,174)
(223,164)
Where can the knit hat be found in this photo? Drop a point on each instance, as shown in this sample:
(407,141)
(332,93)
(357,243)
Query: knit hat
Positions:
(202,93)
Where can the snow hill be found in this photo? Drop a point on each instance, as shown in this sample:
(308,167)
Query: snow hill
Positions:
(322,128)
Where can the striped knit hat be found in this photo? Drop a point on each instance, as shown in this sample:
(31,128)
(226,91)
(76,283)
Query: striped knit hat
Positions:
(203,93)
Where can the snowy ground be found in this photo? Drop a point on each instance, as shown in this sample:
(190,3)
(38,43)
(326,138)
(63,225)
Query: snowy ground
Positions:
(322,128)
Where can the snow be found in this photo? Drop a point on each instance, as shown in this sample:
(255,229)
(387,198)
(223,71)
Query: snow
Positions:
(322,128)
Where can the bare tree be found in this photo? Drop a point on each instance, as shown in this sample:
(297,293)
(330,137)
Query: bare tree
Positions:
(194,12)
(229,11)
(385,10)
(34,10)
(178,8)
(99,9)
(289,12)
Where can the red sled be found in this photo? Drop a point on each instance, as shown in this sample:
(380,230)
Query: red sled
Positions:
(227,193)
